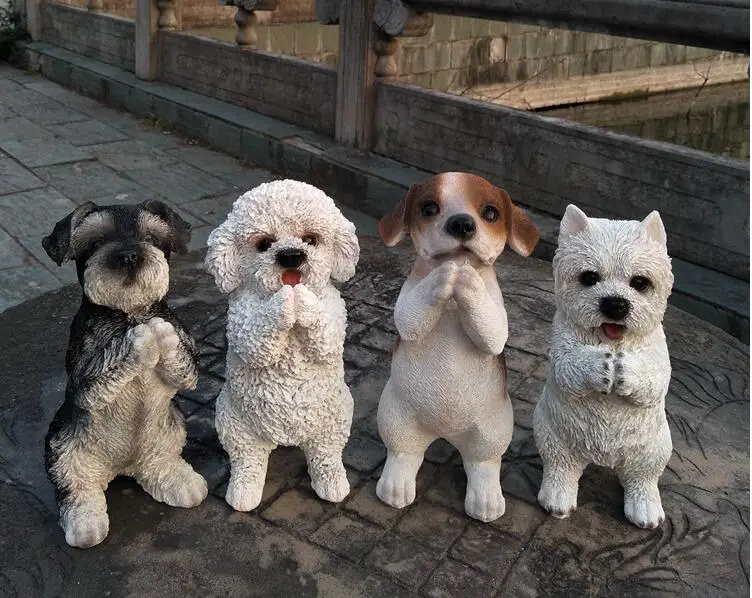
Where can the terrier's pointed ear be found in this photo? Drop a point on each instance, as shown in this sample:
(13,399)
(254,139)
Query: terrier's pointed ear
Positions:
(58,243)
(653,226)
(395,224)
(574,221)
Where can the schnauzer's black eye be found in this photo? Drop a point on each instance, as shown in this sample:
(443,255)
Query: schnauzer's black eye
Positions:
(639,283)
(96,244)
(311,240)
(490,214)
(589,278)
(429,209)
(264,244)
(150,239)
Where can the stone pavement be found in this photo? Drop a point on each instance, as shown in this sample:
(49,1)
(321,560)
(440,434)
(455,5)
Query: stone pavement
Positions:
(59,149)
(294,544)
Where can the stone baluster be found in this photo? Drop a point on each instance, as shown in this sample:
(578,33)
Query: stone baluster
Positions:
(394,19)
(246,19)
(95,5)
(168,19)
(385,47)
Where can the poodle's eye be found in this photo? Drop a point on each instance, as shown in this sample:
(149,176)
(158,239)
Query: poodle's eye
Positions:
(429,209)
(640,283)
(264,244)
(311,240)
(589,278)
(490,214)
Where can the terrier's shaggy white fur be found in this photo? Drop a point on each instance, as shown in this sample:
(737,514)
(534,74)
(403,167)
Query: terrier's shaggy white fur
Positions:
(275,255)
(603,402)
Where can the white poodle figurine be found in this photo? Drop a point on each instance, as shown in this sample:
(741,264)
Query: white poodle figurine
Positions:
(609,372)
(275,256)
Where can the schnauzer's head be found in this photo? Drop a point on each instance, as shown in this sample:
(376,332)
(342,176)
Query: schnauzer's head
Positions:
(283,232)
(613,276)
(121,252)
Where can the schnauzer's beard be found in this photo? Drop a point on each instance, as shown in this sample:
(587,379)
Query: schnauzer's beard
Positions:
(130,291)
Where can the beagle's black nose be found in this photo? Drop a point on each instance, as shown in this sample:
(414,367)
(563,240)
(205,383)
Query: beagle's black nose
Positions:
(290,258)
(615,308)
(461,226)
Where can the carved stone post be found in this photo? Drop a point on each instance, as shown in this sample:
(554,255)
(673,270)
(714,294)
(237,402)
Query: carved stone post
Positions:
(246,19)
(168,19)
(385,47)
(393,19)
(95,5)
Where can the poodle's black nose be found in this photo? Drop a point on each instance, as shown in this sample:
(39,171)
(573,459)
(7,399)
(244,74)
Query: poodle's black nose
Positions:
(461,226)
(290,258)
(128,258)
(615,308)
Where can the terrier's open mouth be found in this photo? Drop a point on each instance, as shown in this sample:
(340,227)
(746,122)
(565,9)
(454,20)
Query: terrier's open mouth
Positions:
(291,277)
(613,331)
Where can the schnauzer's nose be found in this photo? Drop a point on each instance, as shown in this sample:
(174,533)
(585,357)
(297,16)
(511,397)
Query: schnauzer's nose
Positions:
(128,258)
(615,308)
(461,226)
(290,258)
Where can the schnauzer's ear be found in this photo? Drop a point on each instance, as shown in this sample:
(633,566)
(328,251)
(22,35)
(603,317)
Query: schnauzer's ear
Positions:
(57,243)
(653,226)
(394,225)
(522,234)
(180,230)
(574,221)
(223,260)
(346,251)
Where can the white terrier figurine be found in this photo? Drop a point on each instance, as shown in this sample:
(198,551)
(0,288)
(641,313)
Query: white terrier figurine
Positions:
(275,255)
(609,372)
(448,377)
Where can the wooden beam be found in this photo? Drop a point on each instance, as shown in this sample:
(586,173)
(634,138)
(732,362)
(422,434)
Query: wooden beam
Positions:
(146,51)
(716,24)
(33,9)
(355,75)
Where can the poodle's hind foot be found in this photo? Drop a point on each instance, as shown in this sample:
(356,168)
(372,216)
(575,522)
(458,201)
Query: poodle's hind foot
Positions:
(243,493)
(330,483)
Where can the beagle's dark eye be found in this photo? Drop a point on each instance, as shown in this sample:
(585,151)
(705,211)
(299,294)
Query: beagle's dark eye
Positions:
(264,244)
(490,214)
(640,283)
(311,240)
(429,209)
(589,278)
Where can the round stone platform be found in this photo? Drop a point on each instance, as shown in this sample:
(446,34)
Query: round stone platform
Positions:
(297,545)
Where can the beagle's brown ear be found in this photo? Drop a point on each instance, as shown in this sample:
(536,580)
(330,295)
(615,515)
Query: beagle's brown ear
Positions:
(522,234)
(395,224)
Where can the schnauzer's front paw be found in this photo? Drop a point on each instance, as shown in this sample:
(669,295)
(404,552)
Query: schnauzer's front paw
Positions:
(307,309)
(242,495)
(85,527)
(485,503)
(145,346)
(558,501)
(444,279)
(165,336)
(332,488)
(397,491)
(282,308)
(644,513)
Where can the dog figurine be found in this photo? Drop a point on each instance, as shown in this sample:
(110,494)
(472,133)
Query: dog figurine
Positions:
(448,376)
(275,255)
(609,372)
(127,356)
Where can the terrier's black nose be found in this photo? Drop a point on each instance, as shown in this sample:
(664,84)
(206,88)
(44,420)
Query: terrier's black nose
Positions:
(128,258)
(615,308)
(290,258)
(461,226)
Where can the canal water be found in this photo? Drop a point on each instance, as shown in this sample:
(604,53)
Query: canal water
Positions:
(713,119)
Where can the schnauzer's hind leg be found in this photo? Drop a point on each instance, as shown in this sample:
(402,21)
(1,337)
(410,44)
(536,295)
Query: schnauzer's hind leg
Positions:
(83,517)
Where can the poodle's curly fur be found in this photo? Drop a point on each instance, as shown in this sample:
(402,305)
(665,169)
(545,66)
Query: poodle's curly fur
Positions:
(285,374)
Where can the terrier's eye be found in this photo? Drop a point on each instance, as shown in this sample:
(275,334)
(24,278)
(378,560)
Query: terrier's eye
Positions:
(429,209)
(589,278)
(490,214)
(264,244)
(640,283)
(311,240)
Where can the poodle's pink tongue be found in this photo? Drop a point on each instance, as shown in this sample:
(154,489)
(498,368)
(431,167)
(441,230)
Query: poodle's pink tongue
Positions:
(291,277)
(613,331)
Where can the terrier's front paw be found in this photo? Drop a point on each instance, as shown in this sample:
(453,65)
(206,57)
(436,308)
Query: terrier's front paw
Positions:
(485,504)
(84,527)
(144,345)
(243,496)
(644,513)
(625,377)
(307,310)
(444,280)
(602,369)
(559,501)
(396,490)
(333,488)
(165,336)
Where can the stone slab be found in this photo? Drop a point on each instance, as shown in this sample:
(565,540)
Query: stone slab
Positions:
(12,253)
(17,128)
(87,180)
(88,132)
(14,177)
(207,160)
(50,113)
(22,283)
(33,213)
(131,155)
(43,152)
(180,183)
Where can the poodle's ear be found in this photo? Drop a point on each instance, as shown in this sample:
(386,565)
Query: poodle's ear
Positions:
(223,259)
(346,251)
